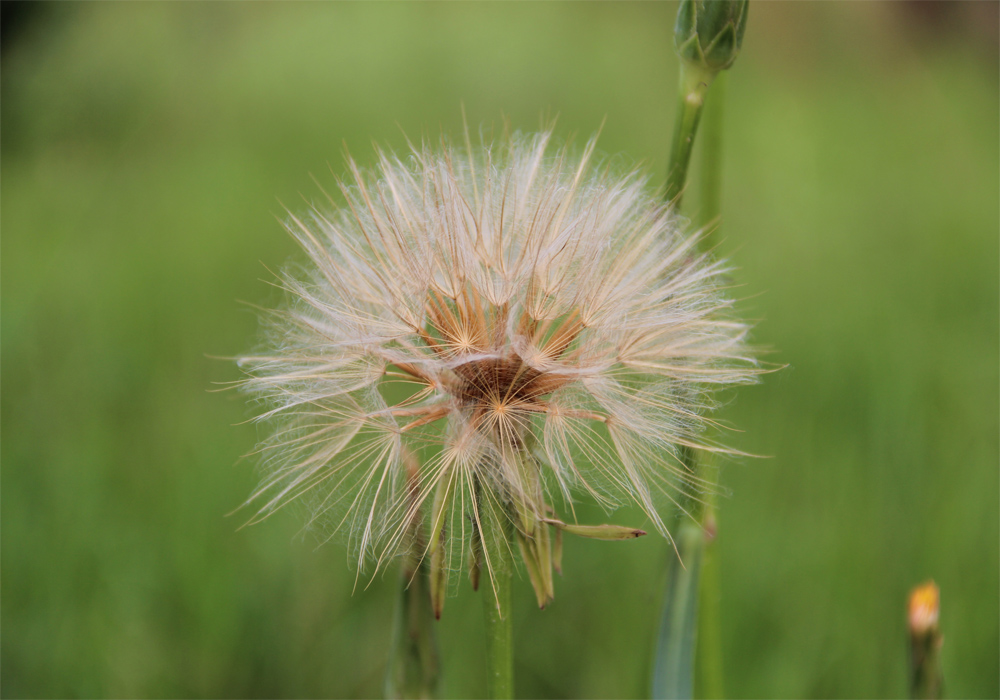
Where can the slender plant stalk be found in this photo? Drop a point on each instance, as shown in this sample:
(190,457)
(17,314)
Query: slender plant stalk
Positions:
(691,99)
(497,606)
(707,35)
(413,662)
(499,639)
(926,682)
(710,185)
(708,652)
(672,676)
(673,666)
(689,649)
(708,655)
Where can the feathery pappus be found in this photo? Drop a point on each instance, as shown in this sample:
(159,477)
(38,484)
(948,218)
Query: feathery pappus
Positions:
(482,334)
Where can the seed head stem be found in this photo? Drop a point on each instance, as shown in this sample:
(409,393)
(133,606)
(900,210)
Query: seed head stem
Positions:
(413,662)
(414,665)
(497,605)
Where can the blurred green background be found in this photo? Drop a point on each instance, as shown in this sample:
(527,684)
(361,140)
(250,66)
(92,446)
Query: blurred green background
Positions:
(146,151)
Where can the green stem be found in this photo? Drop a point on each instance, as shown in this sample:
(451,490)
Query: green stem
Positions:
(693,86)
(926,682)
(498,530)
(413,669)
(711,156)
(674,666)
(672,672)
(499,639)
(708,653)
(708,656)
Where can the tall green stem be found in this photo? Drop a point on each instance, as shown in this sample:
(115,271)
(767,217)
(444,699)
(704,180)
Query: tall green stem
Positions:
(499,639)
(689,647)
(710,187)
(707,35)
(414,666)
(693,87)
(672,671)
(497,537)
(413,662)
(708,656)
(708,650)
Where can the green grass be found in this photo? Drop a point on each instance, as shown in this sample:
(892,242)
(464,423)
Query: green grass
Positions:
(147,149)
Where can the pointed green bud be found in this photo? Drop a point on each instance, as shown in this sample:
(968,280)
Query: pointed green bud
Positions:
(543,554)
(709,33)
(557,551)
(439,580)
(436,545)
(442,502)
(598,532)
(476,558)
(529,555)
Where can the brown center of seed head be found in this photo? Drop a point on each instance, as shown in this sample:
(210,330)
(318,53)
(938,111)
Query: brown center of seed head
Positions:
(495,382)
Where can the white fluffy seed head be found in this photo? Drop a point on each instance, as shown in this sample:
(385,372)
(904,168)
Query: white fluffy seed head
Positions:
(504,322)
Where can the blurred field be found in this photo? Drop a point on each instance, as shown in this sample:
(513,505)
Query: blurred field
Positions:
(145,150)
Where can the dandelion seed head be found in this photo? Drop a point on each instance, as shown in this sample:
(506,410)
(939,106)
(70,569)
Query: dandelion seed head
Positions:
(507,322)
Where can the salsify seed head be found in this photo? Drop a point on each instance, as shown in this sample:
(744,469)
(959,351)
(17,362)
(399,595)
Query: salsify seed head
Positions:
(480,335)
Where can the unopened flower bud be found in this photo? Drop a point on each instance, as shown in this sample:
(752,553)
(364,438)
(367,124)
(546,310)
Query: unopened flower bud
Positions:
(598,532)
(709,33)
(924,609)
